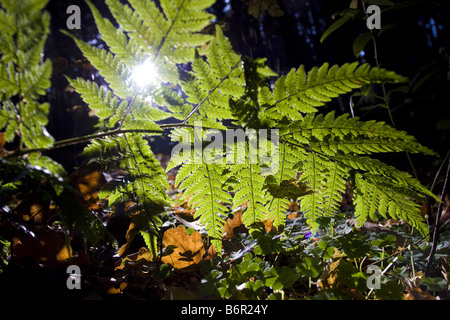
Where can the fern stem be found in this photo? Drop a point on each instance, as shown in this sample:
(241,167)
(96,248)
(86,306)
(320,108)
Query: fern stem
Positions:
(148,214)
(412,263)
(127,111)
(163,40)
(247,151)
(439,170)
(211,92)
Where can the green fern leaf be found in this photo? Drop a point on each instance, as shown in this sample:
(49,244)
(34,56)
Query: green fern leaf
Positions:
(347,135)
(111,68)
(287,171)
(216,80)
(37,80)
(125,49)
(249,190)
(8,81)
(375,193)
(24,79)
(203,184)
(299,92)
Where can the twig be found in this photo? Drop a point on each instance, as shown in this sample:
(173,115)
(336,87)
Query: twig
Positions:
(82,139)
(397,252)
(76,140)
(383,87)
(436,225)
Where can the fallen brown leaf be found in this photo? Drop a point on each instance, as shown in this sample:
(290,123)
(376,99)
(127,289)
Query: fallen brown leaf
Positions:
(184,250)
(231,224)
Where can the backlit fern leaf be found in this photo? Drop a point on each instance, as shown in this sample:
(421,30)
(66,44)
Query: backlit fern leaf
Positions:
(99,99)
(215,80)
(169,36)
(299,92)
(377,194)
(334,146)
(314,174)
(277,207)
(347,135)
(24,78)
(144,178)
(249,189)
(112,69)
(124,48)
(335,186)
(203,185)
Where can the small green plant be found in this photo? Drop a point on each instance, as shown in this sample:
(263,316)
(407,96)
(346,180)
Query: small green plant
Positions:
(332,264)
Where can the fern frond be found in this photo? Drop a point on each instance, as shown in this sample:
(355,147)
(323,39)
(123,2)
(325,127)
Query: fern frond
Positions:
(299,92)
(144,116)
(7,23)
(9,81)
(374,194)
(169,36)
(347,135)
(249,189)
(141,115)
(216,80)
(314,174)
(24,79)
(203,185)
(99,99)
(124,48)
(144,179)
(37,80)
(335,185)
(278,206)
(24,7)
(27,60)
(378,168)
(110,67)
(326,150)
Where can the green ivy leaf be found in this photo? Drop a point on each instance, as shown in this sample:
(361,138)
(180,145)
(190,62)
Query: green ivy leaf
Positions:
(360,42)
(434,284)
(311,267)
(280,277)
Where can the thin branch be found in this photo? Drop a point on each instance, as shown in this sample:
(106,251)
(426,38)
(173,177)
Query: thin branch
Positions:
(436,224)
(72,141)
(398,252)
(385,97)
(87,138)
